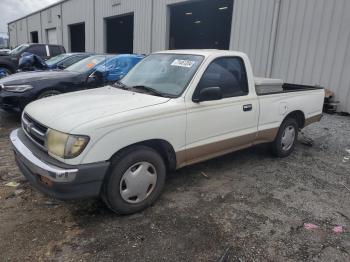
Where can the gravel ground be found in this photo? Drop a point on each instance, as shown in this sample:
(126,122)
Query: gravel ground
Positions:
(249,202)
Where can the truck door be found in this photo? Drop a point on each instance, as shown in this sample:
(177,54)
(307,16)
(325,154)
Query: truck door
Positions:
(39,50)
(228,124)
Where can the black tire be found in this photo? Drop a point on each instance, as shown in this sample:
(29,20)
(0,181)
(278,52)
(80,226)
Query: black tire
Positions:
(278,148)
(112,187)
(49,93)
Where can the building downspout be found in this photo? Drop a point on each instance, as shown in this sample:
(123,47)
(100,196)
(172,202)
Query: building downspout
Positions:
(94,24)
(9,44)
(41,30)
(16,35)
(151,41)
(61,18)
(28,34)
(273,39)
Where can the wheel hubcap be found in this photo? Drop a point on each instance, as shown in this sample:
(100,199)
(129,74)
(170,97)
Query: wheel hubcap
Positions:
(138,182)
(288,138)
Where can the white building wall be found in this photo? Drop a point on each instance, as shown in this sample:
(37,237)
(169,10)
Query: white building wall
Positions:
(301,41)
(161,23)
(251,28)
(12,34)
(34,24)
(313,45)
(142,22)
(79,11)
(22,32)
(252,32)
(50,19)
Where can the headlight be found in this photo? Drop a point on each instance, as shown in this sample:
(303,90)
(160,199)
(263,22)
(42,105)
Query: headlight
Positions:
(18,88)
(64,145)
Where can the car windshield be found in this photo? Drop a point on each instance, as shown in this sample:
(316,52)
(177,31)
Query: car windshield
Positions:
(18,49)
(167,74)
(87,64)
(57,59)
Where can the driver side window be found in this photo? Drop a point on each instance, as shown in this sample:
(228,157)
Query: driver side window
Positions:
(70,61)
(229,74)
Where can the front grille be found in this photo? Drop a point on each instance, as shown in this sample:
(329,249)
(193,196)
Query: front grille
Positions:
(34,130)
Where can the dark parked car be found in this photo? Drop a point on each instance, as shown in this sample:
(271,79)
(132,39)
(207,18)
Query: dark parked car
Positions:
(31,62)
(18,90)
(9,62)
(63,61)
(5,51)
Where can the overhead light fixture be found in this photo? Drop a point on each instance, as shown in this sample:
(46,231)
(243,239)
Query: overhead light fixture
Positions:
(223,8)
(188,13)
(198,22)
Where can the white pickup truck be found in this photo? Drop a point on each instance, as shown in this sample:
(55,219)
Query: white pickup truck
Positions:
(175,108)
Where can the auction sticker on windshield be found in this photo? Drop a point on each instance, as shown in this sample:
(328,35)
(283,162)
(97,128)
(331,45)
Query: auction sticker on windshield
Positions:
(183,63)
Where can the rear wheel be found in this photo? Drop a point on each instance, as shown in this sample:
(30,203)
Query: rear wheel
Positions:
(286,138)
(48,94)
(135,180)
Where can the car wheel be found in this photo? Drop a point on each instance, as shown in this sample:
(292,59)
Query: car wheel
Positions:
(49,93)
(286,138)
(135,180)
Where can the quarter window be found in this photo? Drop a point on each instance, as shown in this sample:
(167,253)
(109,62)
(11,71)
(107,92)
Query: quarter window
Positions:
(70,61)
(227,73)
(55,50)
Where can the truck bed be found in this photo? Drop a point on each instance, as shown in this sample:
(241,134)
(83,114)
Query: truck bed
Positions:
(269,86)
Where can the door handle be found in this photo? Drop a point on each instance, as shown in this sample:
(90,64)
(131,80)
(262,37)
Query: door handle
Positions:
(248,107)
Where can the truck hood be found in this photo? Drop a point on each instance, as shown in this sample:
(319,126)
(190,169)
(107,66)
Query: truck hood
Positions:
(30,77)
(68,111)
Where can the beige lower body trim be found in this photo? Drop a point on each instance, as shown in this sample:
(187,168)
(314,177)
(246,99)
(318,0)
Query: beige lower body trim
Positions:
(266,136)
(313,119)
(212,150)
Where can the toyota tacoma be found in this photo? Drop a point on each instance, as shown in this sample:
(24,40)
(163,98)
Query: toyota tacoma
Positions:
(173,109)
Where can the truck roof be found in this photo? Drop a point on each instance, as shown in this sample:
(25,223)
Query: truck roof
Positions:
(203,52)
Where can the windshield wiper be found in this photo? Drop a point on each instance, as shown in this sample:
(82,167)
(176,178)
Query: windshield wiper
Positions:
(120,85)
(149,90)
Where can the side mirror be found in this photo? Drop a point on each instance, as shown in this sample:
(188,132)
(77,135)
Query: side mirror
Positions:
(96,76)
(208,94)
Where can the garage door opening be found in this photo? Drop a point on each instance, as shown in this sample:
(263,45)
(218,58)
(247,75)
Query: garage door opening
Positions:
(34,37)
(77,37)
(201,24)
(51,36)
(120,34)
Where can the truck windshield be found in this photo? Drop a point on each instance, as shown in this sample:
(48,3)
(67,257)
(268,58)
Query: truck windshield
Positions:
(18,49)
(87,64)
(168,74)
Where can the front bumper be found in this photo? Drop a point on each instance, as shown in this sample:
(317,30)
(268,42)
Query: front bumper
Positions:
(15,102)
(53,178)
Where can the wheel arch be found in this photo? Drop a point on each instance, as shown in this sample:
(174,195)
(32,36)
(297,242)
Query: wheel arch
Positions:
(45,90)
(299,116)
(163,147)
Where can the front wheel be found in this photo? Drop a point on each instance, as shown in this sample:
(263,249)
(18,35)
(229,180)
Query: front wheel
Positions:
(286,138)
(135,180)
(49,93)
